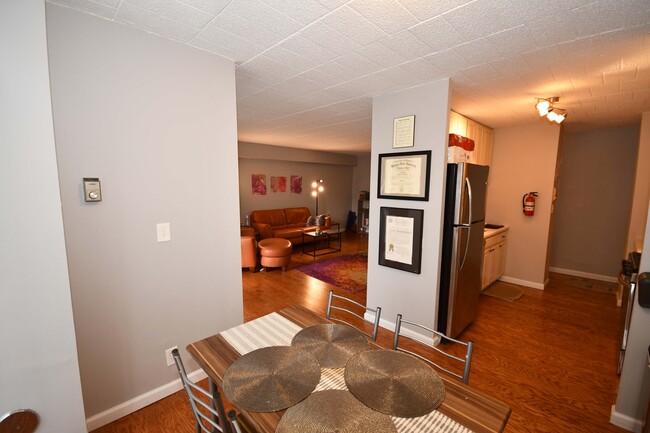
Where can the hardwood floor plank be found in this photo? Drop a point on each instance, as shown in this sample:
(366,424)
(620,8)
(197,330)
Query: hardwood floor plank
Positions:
(550,355)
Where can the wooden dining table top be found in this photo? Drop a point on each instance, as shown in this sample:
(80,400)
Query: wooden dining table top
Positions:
(470,407)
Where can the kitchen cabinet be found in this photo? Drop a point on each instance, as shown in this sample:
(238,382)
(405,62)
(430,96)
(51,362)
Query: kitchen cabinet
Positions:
(481,134)
(494,256)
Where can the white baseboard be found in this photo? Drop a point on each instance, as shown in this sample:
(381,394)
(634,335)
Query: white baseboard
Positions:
(625,421)
(137,403)
(390,325)
(584,275)
(524,283)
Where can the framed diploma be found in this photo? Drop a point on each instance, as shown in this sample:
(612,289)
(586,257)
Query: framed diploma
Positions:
(400,238)
(404,175)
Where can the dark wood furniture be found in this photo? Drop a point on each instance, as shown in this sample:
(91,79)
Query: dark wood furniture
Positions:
(472,408)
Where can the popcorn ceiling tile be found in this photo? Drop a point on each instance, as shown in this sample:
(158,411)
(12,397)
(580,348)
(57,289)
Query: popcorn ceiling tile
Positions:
(304,11)
(265,16)
(423,69)
(476,19)
(320,77)
(212,7)
(388,15)
(326,36)
(605,89)
(406,43)
(110,3)
(243,48)
(92,8)
(426,9)
(478,51)
(618,76)
(337,71)
(282,55)
(382,55)
(513,41)
(438,34)
(358,63)
(216,49)
(308,49)
(348,22)
(332,4)
(481,73)
(510,65)
(154,23)
(448,60)
(245,29)
(175,11)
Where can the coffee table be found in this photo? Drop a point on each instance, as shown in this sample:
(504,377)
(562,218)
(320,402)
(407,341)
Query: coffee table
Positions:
(323,242)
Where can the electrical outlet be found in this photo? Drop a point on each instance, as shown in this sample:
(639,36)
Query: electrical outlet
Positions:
(169,357)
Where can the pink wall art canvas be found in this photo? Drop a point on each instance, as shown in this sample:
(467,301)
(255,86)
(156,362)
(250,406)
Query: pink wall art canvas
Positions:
(259,184)
(296,184)
(278,184)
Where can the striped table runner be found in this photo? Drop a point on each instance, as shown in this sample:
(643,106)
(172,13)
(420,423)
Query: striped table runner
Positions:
(275,330)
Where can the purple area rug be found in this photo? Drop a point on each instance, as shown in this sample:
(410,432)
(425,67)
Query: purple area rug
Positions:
(349,273)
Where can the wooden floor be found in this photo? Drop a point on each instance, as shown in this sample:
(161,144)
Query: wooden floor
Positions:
(550,355)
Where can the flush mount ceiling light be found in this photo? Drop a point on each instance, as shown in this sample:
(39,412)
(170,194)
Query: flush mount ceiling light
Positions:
(545,107)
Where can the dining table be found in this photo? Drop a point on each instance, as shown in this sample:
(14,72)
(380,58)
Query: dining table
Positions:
(464,408)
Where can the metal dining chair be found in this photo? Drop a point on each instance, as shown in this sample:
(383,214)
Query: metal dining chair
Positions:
(344,305)
(210,416)
(449,358)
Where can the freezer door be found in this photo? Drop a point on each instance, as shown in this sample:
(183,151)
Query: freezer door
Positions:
(465,281)
(471,187)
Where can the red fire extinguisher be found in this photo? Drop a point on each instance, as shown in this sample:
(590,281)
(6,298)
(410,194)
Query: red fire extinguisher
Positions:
(528,202)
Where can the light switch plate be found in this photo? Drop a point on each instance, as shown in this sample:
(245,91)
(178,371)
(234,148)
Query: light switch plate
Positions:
(163,231)
(92,189)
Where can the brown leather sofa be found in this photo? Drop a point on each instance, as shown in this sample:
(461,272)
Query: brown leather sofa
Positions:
(288,223)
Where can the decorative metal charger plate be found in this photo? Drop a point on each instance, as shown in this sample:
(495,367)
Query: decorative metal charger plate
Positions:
(333,411)
(271,378)
(394,383)
(332,345)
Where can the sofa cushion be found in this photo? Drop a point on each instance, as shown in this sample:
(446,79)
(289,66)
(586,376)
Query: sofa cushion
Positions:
(311,221)
(297,215)
(272,217)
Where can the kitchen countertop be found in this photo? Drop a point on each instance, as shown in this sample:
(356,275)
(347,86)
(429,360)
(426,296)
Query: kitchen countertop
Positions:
(492,232)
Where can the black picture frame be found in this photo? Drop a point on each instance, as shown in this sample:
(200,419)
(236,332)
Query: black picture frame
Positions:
(395,228)
(404,175)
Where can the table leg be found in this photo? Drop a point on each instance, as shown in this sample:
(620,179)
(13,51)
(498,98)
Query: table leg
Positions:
(217,404)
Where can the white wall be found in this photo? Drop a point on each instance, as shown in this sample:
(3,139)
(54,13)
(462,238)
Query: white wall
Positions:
(634,388)
(39,366)
(641,195)
(523,160)
(396,291)
(335,169)
(594,199)
(156,122)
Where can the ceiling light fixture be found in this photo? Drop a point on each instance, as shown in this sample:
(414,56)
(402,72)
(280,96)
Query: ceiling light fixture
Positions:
(545,107)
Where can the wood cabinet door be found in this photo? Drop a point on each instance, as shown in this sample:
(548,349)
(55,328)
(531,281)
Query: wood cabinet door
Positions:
(487,267)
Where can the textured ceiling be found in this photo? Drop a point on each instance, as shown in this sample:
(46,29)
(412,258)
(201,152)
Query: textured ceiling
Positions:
(307,69)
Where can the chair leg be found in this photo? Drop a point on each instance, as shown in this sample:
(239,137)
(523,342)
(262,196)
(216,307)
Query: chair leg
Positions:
(218,405)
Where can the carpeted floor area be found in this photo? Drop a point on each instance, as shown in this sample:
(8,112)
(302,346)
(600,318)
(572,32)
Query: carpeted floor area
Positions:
(349,272)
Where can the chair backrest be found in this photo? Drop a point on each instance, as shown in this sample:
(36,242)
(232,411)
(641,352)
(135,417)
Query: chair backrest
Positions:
(447,358)
(208,416)
(344,305)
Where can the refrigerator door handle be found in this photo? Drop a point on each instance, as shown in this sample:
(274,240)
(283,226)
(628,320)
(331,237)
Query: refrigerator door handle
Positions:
(467,226)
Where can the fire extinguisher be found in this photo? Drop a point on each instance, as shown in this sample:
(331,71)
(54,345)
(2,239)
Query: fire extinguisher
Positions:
(528,202)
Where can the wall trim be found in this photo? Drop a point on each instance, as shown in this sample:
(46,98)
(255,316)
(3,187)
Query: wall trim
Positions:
(584,275)
(525,283)
(625,421)
(137,403)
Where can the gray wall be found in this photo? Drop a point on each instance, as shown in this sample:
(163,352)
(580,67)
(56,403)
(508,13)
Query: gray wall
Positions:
(335,169)
(594,200)
(39,354)
(397,291)
(360,179)
(156,122)
(523,160)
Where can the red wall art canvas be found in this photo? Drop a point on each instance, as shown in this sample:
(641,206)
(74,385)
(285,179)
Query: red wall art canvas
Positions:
(278,184)
(259,184)
(296,184)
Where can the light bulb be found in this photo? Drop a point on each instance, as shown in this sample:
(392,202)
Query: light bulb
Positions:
(542,107)
(314,184)
(321,189)
(552,116)
(314,193)
(559,118)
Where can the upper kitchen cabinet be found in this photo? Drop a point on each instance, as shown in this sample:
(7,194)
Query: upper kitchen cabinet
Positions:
(481,134)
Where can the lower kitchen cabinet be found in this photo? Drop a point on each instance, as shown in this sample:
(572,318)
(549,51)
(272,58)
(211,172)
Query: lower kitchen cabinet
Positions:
(494,257)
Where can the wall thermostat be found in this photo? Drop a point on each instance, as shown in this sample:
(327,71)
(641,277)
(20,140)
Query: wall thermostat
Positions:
(92,189)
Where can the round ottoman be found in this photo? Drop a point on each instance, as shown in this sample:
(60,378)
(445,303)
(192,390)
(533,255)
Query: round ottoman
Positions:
(275,253)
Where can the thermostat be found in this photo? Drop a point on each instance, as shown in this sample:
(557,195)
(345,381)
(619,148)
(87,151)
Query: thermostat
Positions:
(92,189)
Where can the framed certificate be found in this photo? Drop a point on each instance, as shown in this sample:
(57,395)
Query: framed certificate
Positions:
(403,131)
(400,238)
(404,175)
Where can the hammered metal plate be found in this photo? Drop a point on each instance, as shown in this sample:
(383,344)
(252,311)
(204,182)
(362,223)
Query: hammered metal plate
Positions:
(332,345)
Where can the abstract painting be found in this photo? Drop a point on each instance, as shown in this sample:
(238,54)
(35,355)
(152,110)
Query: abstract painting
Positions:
(278,184)
(259,184)
(296,184)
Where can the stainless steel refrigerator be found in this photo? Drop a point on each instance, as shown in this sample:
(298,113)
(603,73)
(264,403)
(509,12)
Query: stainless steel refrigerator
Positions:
(462,247)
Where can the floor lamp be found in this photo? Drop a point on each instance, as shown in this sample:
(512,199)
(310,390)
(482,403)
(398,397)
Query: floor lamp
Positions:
(316,189)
